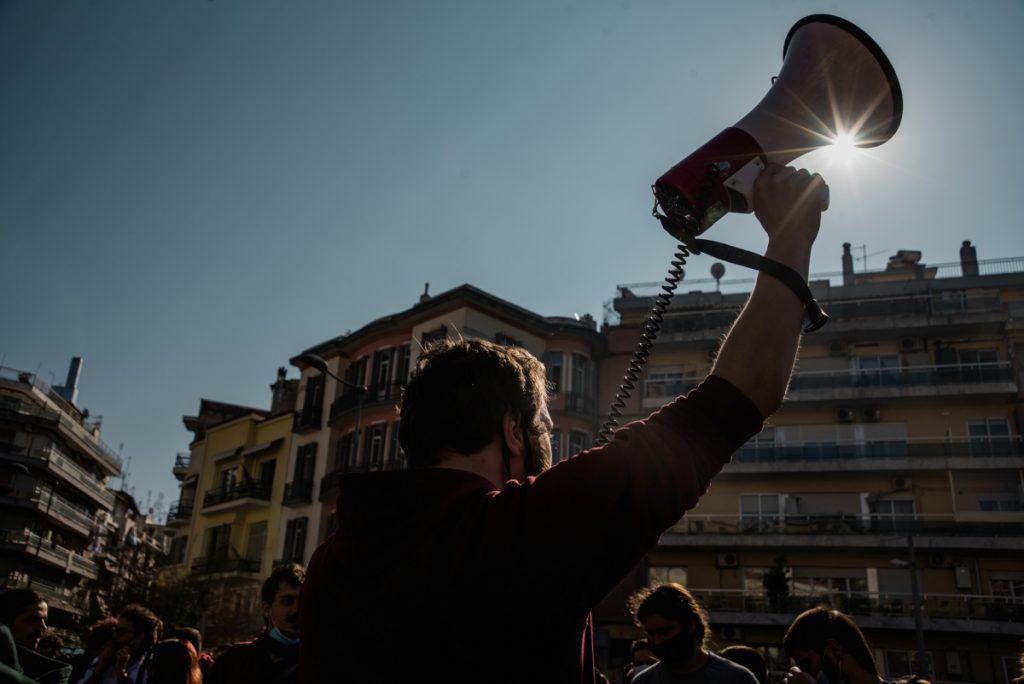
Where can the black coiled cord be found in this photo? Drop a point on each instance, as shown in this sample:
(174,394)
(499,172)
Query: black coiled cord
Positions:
(648,333)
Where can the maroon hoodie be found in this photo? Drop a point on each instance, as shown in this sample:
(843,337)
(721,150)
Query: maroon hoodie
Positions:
(436,575)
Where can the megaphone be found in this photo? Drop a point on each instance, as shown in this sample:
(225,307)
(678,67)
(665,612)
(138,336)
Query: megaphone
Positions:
(835,82)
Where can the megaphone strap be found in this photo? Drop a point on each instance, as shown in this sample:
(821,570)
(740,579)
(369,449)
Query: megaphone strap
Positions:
(815,316)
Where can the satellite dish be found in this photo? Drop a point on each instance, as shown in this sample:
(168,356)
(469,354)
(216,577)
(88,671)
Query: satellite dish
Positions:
(717,271)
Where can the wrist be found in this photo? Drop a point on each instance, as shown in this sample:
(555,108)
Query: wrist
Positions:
(795,253)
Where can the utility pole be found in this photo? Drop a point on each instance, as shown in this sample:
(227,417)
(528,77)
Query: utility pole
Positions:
(922,668)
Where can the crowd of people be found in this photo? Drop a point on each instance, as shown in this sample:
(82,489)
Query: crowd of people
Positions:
(135,647)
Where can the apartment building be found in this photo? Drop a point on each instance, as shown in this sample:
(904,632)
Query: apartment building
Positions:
(339,430)
(54,499)
(898,450)
(228,516)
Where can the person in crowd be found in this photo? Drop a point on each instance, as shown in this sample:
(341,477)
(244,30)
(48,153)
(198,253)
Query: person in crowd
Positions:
(273,656)
(24,613)
(51,646)
(827,646)
(173,661)
(99,636)
(640,658)
(473,532)
(749,658)
(194,637)
(121,661)
(678,632)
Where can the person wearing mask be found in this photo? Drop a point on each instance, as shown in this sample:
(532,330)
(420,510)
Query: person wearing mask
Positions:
(678,632)
(273,656)
(828,648)
(640,658)
(24,613)
(173,661)
(472,533)
(121,661)
(100,634)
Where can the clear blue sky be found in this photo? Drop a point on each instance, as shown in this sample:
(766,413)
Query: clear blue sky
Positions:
(191,192)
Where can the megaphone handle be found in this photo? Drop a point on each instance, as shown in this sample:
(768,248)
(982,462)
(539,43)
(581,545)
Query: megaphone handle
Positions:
(815,317)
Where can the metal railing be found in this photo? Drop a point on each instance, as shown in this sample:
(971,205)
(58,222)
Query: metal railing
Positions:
(944,374)
(310,419)
(209,566)
(247,490)
(934,606)
(66,599)
(182,461)
(59,464)
(99,448)
(298,492)
(57,554)
(894,448)
(844,524)
(62,509)
(381,393)
(180,511)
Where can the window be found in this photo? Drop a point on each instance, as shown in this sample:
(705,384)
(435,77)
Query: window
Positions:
(266,477)
(305,462)
(974,357)
(580,375)
(435,335)
(989,436)
(373,446)
(577,442)
(507,340)
(178,546)
(217,541)
(228,479)
(662,574)
(894,515)
(876,370)
(402,374)
(999,502)
(295,540)
(556,446)
(394,455)
(553,363)
(667,385)
(355,374)
(382,361)
(313,402)
(256,541)
(345,455)
(761,506)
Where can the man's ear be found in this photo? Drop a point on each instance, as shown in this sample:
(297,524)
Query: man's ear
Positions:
(513,433)
(265,608)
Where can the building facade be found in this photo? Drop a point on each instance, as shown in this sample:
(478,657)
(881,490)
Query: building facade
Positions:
(54,470)
(228,517)
(897,451)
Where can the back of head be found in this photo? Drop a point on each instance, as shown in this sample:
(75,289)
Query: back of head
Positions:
(813,628)
(14,602)
(189,634)
(100,634)
(144,622)
(748,658)
(458,396)
(173,661)
(672,602)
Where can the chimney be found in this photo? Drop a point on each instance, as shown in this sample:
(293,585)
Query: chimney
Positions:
(70,389)
(426,293)
(847,265)
(278,389)
(968,259)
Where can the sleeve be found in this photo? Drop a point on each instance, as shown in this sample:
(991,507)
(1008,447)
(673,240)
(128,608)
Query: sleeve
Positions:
(590,519)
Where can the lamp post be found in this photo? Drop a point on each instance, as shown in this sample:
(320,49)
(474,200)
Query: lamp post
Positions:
(319,364)
(922,668)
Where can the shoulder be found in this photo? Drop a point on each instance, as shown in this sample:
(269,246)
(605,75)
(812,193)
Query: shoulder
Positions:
(730,671)
(649,676)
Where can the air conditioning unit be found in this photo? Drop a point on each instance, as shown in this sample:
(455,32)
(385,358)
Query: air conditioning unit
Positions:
(839,348)
(963,578)
(940,560)
(872,415)
(911,344)
(845,415)
(727,559)
(901,483)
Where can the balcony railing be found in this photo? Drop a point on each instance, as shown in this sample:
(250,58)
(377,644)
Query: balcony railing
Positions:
(308,419)
(209,566)
(180,511)
(848,524)
(60,508)
(389,392)
(298,492)
(66,599)
(50,551)
(248,490)
(906,376)
(935,606)
(182,461)
(61,465)
(905,448)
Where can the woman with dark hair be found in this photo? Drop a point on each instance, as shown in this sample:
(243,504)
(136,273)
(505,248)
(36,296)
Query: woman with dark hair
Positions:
(173,661)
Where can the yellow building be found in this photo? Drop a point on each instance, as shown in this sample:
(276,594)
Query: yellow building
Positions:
(228,517)
(901,429)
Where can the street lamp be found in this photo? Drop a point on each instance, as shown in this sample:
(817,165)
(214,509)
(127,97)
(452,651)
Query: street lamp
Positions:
(314,361)
(922,669)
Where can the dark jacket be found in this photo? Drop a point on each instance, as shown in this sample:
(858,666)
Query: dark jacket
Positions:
(254,661)
(437,571)
(20,665)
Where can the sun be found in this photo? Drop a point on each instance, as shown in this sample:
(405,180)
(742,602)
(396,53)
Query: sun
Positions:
(843,149)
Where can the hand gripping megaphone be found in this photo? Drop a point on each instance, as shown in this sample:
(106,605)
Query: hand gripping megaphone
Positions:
(835,82)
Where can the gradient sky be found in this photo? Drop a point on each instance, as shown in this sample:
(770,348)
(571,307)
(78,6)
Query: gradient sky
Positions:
(191,192)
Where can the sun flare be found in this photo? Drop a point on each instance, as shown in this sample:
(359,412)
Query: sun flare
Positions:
(843,149)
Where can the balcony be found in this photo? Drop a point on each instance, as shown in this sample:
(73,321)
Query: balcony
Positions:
(925,381)
(63,512)
(58,464)
(309,419)
(249,492)
(375,395)
(843,530)
(225,566)
(179,512)
(580,403)
(298,493)
(51,553)
(181,464)
(63,598)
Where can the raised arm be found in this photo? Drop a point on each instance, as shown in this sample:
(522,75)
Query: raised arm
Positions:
(758,353)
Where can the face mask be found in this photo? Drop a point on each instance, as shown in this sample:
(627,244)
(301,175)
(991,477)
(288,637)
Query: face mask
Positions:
(278,636)
(678,649)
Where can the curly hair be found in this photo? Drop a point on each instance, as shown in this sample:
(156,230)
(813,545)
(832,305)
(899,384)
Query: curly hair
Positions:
(292,573)
(672,602)
(458,396)
(144,622)
(812,628)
